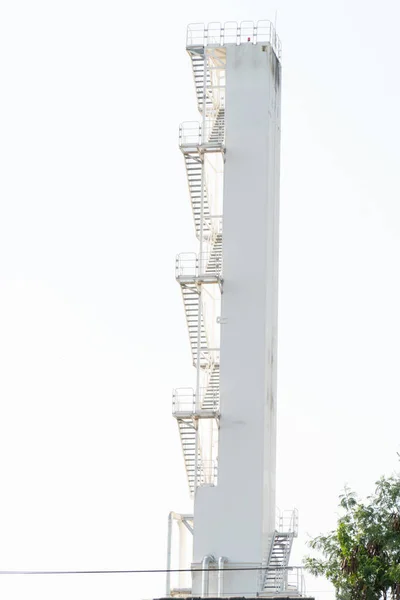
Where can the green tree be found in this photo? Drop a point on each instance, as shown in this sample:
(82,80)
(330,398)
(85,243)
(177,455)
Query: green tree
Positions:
(361,557)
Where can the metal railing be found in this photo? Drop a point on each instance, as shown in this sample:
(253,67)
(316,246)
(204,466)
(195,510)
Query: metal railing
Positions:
(295,580)
(184,401)
(232,32)
(208,472)
(290,580)
(189,265)
(186,265)
(287,521)
(193,134)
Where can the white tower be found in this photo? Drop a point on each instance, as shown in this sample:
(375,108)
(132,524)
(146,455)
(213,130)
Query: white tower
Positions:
(227,423)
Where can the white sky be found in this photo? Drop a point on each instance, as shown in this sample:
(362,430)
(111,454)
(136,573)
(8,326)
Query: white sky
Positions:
(94,207)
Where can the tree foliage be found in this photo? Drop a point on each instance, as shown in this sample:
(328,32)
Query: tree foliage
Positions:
(361,557)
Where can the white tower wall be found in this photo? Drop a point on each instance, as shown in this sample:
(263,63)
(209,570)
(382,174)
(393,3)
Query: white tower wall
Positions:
(236,518)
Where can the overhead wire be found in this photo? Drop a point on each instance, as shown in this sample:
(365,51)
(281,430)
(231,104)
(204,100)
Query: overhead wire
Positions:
(127,571)
(151,571)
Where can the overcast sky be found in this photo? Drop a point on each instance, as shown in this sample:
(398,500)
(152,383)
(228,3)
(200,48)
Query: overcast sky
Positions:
(94,207)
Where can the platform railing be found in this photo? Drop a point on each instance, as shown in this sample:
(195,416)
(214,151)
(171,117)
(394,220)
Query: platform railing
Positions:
(232,32)
(288,581)
(189,265)
(186,265)
(294,581)
(184,401)
(208,472)
(190,134)
(193,134)
(287,521)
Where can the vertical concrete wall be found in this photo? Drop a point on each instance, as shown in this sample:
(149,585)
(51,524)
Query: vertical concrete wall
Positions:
(235,519)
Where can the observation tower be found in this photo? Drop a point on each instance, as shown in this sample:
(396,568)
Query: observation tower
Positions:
(227,422)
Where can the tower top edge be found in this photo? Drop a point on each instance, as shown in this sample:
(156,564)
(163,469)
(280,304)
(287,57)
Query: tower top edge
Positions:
(233,33)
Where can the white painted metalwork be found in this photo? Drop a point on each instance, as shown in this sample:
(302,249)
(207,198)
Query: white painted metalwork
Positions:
(205,267)
(202,145)
(197,332)
(204,137)
(274,580)
(184,523)
(205,577)
(294,585)
(221,564)
(185,403)
(287,521)
(232,32)
(227,421)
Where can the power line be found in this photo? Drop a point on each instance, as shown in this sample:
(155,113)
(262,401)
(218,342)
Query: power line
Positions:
(153,571)
(128,571)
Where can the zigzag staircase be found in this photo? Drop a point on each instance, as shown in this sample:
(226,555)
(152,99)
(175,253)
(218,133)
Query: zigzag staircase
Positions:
(194,170)
(194,271)
(187,424)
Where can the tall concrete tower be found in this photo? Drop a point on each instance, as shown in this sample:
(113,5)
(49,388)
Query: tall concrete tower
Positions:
(227,422)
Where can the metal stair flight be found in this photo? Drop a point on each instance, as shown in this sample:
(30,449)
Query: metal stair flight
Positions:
(194,169)
(275,576)
(217,135)
(191,302)
(202,145)
(214,263)
(211,397)
(187,434)
(197,57)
